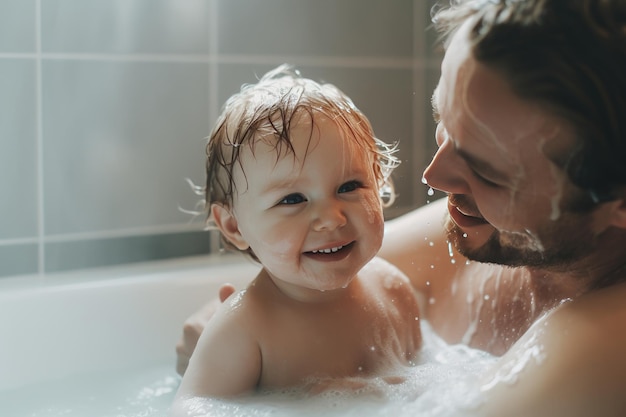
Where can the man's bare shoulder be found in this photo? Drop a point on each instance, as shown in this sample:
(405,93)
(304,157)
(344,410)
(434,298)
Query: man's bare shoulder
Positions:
(569,363)
(595,321)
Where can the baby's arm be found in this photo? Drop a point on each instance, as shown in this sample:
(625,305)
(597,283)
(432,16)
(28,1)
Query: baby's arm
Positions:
(226,361)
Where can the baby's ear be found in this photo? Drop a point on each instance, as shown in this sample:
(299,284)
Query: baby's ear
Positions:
(227,223)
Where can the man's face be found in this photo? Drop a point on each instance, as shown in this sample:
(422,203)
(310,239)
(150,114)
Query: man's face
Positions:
(508,202)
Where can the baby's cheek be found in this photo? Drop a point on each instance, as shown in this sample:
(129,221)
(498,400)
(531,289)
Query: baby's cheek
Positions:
(277,244)
(373,207)
(282,248)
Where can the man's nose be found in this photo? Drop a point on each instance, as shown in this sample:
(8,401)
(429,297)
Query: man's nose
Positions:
(446,171)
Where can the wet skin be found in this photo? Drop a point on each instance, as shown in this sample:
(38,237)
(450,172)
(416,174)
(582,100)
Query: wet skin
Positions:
(560,337)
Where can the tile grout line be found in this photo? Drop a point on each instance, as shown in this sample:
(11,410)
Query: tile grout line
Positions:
(216,58)
(41,258)
(214,105)
(107,234)
(125,233)
(418,84)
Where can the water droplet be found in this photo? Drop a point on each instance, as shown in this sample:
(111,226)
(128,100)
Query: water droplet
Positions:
(424,181)
(432,300)
(486,297)
(464,234)
(373,348)
(432,267)
(430,191)
(452,261)
(431,243)
(427,283)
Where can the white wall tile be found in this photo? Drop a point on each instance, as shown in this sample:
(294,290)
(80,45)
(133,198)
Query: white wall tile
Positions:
(125,26)
(120,138)
(18,149)
(322,27)
(17,26)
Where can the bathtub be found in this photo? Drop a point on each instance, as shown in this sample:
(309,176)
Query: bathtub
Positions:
(101,343)
(62,326)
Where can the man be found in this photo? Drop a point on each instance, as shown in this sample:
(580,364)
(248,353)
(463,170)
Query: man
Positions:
(531,261)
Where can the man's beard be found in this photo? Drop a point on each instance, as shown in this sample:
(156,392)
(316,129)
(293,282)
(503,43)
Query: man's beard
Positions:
(561,243)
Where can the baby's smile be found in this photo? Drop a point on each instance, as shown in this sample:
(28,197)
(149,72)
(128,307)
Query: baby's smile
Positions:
(331,253)
(329,250)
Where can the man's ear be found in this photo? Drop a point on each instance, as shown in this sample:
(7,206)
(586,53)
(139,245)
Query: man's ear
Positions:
(618,213)
(227,223)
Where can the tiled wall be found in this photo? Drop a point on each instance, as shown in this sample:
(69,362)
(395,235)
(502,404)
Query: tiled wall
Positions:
(105,106)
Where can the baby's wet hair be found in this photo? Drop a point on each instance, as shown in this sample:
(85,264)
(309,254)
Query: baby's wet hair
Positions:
(267,111)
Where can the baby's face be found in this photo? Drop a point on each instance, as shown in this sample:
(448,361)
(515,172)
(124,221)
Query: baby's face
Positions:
(313,218)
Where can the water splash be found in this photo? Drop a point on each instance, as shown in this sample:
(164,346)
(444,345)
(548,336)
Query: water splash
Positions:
(532,352)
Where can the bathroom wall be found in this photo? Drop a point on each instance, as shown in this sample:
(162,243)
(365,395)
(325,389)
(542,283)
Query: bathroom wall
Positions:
(105,106)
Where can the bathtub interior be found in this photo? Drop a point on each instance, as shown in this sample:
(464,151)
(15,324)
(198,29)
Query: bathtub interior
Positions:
(65,325)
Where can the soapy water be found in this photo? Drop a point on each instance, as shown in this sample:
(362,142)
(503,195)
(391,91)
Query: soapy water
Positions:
(142,392)
(445,383)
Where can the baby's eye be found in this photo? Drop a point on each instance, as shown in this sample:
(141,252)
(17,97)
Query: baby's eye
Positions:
(349,186)
(293,199)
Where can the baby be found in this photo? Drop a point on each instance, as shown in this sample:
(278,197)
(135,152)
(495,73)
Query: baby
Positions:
(296,179)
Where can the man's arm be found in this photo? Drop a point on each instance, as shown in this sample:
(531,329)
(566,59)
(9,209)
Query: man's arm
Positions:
(226,361)
(193,326)
(417,244)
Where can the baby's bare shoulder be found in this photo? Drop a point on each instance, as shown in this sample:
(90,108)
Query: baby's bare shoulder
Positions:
(397,302)
(379,271)
(388,281)
(245,307)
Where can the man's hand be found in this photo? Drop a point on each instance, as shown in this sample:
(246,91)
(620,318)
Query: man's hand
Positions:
(193,326)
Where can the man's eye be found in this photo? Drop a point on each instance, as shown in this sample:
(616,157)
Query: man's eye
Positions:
(293,199)
(349,186)
(484,180)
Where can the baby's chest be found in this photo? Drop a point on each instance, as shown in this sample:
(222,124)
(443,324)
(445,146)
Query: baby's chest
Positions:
(295,352)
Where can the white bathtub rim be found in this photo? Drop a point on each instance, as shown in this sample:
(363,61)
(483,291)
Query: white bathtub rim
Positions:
(114,319)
